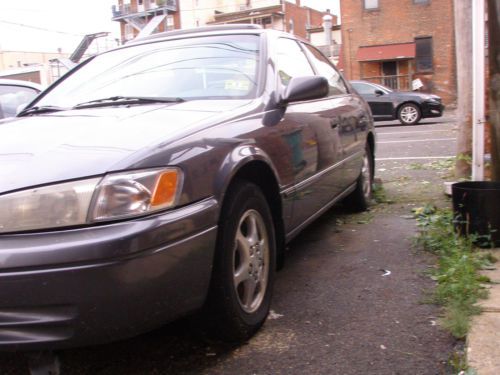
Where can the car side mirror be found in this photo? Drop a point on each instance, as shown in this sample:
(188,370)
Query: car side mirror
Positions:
(20,107)
(379,92)
(305,88)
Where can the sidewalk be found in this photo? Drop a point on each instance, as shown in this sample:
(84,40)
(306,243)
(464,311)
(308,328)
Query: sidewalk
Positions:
(483,341)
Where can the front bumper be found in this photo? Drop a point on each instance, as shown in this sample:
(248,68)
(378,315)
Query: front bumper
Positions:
(432,109)
(99,284)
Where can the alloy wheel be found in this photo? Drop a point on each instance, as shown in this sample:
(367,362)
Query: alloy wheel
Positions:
(251,261)
(409,114)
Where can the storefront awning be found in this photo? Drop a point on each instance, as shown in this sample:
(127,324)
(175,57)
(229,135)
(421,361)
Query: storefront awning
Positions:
(386,52)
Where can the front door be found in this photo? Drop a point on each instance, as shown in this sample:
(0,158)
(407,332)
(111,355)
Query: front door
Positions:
(390,72)
(311,131)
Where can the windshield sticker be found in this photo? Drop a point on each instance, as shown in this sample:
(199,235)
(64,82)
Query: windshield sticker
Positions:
(239,85)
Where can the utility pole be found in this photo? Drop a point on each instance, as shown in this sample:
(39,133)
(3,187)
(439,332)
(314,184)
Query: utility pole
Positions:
(463,52)
(494,86)
(478,90)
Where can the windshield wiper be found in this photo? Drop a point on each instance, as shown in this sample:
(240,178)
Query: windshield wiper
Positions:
(112,100)
(41,109)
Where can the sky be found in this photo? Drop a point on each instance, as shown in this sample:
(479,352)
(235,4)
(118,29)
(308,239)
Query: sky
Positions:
(47,25)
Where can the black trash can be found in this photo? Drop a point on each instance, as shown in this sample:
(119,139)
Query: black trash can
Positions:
(477,208)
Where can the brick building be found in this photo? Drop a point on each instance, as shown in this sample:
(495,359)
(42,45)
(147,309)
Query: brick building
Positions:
(396,42)
(277,14)
(147,16)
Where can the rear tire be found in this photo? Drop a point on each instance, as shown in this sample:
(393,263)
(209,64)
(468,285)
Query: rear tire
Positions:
(359,199)
(244,266)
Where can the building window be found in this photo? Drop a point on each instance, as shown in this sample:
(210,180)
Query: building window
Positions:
(421,1)
(423,55)
(370,4)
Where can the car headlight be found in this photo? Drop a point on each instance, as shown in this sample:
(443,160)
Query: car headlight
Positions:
(131,194)
(115,196)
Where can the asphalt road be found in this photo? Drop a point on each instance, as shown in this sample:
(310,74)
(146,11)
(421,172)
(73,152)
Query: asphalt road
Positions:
(336,309)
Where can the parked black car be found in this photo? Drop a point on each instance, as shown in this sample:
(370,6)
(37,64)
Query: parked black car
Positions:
(406,106)
(167,176)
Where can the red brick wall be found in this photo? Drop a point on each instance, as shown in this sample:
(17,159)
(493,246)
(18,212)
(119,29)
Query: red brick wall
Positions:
(400,21)
(300,17)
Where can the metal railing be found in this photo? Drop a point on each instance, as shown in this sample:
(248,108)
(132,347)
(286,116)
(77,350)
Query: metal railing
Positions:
(147,7)
(396,82)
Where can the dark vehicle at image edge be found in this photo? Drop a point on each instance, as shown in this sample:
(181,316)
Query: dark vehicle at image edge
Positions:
(166,176)
(409,107)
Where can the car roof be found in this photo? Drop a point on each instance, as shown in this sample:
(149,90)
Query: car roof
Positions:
(227,29)
(18,82)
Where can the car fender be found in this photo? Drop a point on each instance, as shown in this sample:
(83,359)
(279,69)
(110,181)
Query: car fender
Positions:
(234,161)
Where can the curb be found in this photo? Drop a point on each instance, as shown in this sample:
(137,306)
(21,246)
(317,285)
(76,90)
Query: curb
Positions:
(483,340)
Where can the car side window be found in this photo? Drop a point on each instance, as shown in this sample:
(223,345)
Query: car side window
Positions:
(12,97)
(292,62)
(363,88)
(327,70)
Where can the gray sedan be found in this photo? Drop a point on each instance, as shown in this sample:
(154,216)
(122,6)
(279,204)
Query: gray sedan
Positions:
(167,176)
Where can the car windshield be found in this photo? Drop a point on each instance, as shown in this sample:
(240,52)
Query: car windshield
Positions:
(216,67)
(383,88)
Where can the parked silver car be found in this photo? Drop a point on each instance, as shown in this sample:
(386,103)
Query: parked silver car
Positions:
(166,176)
(15,94)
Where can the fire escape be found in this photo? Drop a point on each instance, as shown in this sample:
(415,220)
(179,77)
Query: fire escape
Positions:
(143,16)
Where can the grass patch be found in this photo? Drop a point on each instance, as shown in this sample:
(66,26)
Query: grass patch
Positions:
(443,165)
(379,195)
(458,281)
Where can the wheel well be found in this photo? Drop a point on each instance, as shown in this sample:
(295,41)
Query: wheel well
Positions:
(260,173)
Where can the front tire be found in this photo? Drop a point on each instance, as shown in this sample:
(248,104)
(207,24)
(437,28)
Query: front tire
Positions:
(409,114)
(244,265)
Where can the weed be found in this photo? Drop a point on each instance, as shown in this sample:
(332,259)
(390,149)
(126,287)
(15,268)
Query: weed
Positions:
(458,361)
(443,165)
(458,282)
(415,166)
(379,195)
(466,158)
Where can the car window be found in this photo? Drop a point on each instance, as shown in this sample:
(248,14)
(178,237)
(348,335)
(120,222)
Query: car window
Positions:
(13,97)
(363,88)
(215,67)
(325,68)
(292,62)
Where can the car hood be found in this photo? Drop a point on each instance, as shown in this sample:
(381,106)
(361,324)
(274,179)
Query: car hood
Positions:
(67,145)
